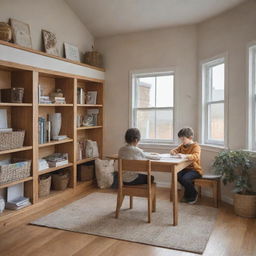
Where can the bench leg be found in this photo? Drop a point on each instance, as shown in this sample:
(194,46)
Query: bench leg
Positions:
(215,194)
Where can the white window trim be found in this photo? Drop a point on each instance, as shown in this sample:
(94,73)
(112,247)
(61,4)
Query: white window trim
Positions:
(155,71)
(202,133)
(251,78)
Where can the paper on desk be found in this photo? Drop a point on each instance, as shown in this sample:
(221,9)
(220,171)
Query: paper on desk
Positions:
(169,156)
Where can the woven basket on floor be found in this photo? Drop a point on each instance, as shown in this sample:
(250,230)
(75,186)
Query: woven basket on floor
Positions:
(14,171)
(245,205)
(44,185)
(60,180)
(11,140)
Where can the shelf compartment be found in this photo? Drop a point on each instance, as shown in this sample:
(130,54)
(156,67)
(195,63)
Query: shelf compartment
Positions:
(89,127)
(86,160)
(53,169)
(15,182)
(15,150)
(55,143)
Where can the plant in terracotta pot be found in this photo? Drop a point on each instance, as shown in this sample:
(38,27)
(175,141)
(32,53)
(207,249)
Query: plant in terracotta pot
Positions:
(236,167)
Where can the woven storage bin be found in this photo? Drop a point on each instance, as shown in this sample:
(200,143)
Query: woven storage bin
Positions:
(44,185)
(60,180)
(245,205)
(14,171)
(85,173)
(94,58)
(11,140)
(14,95)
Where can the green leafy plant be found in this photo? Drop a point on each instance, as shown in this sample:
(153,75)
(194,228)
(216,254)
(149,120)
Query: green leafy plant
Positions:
(235,167)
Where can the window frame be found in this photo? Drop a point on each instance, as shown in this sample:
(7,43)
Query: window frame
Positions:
(251,97)
(205,103)
(133,99)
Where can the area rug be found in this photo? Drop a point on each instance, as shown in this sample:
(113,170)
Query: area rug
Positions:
(94,214)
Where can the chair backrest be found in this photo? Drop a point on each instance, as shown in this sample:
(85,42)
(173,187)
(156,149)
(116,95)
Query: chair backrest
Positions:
(133,166)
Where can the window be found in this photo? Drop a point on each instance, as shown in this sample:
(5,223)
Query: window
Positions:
(213,114)
(153,106)
(252,98)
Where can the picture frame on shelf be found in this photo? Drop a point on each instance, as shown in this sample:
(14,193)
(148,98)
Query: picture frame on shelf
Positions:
(21,33)
(71,52)
(91,97)
(50,42)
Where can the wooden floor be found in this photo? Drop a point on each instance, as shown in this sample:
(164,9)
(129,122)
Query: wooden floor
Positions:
(232,236)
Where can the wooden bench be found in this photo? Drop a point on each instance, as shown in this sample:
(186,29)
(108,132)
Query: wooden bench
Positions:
(212,181)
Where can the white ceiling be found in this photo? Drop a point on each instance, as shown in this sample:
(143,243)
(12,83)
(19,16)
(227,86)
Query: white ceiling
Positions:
(112,17)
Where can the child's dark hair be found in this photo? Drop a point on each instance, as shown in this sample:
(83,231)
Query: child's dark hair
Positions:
(186,132)
(132,135)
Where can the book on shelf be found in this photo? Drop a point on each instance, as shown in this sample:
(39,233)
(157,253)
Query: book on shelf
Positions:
(18,203)
(59,100)
(57,159)
(44,130)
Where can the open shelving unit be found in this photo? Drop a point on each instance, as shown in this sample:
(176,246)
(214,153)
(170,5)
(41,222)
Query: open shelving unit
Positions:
(25,116)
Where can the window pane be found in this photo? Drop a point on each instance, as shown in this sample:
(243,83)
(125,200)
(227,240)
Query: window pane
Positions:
(146,123)
(164,91)
(216,122)
(217,84)
(164,124)
(145,92)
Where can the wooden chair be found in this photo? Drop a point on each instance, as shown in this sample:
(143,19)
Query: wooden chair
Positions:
(211,181)
(147,190)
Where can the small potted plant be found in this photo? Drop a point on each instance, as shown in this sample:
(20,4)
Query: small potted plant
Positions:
(236,167)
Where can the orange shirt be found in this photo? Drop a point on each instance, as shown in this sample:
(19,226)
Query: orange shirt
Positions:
(193,152)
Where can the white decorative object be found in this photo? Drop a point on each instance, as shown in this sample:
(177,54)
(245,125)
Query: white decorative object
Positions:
(91,149)
(55,120)
(104,172)
(71,52)
(2,204)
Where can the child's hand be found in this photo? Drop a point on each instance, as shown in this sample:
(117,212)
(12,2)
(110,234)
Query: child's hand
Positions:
(172,152)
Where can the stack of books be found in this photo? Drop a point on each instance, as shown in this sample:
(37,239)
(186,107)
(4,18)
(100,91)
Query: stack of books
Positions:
(57,159)
(58,100)
(44,130)
(18,203)
(45,100)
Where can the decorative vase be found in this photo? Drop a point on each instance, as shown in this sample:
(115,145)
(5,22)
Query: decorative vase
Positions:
(5,32)
(56,125)
(2,204)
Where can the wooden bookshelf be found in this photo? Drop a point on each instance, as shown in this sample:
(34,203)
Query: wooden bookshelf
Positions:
(25,116)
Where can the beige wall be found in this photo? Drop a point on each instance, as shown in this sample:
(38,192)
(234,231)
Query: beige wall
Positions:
(53,15)
(183,47)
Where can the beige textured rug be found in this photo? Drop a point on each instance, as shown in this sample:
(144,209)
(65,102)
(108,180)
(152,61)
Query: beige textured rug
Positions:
(94,214)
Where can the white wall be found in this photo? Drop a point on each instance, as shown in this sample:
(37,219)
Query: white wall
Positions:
(183,47)
(52,15)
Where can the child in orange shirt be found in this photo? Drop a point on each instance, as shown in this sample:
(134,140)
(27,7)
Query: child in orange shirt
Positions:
(191,151)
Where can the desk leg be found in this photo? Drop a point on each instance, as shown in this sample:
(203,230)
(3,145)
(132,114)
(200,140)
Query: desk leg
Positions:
(175,197)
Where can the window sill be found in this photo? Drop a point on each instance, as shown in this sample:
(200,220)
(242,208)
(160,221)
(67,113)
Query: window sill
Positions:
(212,148)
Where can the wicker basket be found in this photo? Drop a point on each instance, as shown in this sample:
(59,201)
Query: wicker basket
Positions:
(44,185)
(245,205)
(11,140)
(85,173)
(14,171)
(94,58)
(5,31)
(60,180)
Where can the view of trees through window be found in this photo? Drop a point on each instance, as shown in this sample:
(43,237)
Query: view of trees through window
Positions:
(153,108)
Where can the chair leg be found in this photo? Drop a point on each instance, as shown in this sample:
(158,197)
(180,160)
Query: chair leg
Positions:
(131,202)
(215,194)
(119,202)
(149,209)
(154,202)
